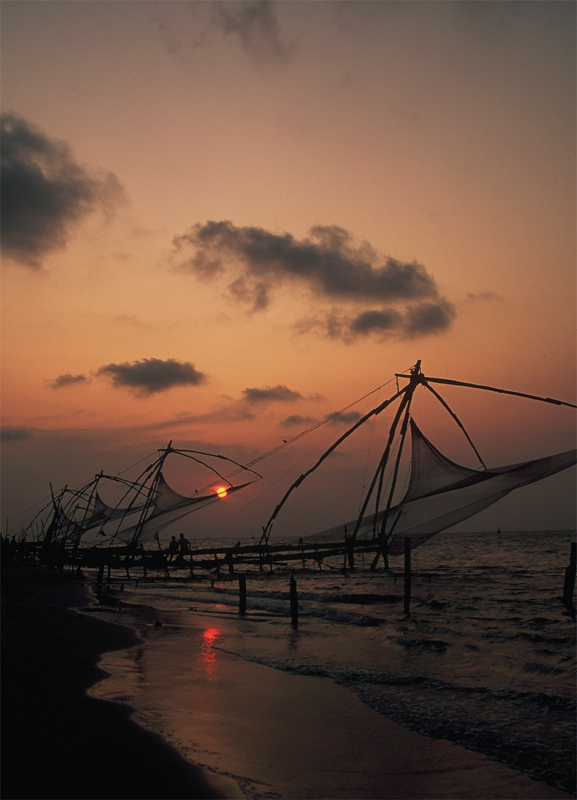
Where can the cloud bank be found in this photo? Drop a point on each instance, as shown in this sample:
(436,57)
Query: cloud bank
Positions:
(152,375)
(45,194)
(330,265)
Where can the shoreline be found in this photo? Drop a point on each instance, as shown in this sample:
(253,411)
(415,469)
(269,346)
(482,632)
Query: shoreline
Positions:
(283,735)
(82,746)
(57,741)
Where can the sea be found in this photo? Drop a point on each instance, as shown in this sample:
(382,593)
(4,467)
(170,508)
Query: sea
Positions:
(486,657)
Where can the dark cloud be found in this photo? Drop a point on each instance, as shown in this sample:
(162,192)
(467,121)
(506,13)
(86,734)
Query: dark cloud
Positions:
(255,24)
(298,420)
(152,375)
(68,380)
(429,318)
(424,319)
(10,433)
(45,194)
(331,266)
(368,321)
(269,394)
(327,261)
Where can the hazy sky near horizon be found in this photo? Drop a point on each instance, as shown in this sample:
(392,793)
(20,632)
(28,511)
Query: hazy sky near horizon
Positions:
(223,221)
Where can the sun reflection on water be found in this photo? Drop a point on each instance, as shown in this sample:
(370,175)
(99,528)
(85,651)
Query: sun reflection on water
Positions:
(207,656)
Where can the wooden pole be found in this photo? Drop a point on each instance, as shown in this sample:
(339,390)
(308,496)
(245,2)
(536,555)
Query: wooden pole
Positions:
(242,594)
(294,603)
(100,580)
(349,550)
(379,475)
(407,576)
(569,585)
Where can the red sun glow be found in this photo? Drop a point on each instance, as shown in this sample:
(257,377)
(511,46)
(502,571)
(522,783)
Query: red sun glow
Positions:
(221,491)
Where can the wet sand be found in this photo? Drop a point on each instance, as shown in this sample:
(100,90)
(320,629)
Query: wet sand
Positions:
(257,732)
(272,734)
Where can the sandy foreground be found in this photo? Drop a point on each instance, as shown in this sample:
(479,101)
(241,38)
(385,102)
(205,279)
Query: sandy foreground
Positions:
(56,741)
(239,729)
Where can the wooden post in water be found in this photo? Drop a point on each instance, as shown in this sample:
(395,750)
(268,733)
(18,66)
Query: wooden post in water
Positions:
(294,603)
(349,550)
(569,585)
(407,576)
(100,580)
(242,594)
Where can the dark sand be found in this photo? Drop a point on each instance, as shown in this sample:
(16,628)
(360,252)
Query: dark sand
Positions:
(259,732)
(56,741)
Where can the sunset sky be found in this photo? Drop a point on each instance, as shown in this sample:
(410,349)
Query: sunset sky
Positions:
(222,222)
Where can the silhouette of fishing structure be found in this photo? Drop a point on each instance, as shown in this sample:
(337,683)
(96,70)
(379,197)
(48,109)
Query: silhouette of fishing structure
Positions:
(82,530)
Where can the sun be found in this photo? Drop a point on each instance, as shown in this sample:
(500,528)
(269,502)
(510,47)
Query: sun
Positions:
(222,491)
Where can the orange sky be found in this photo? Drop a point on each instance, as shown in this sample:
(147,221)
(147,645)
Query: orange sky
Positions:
(397,181)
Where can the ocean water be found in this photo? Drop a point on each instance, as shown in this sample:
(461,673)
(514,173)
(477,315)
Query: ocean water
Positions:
(486,658)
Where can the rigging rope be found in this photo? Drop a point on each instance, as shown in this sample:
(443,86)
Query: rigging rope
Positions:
(314,427)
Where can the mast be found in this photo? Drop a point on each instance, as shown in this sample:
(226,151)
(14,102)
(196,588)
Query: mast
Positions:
(151,494)
(404,406)
(97,478)
(55,522)
(383,539)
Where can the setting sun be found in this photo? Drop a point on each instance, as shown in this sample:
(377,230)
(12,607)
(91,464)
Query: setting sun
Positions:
(222,491)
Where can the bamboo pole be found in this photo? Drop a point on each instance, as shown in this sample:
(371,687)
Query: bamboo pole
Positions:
(294,602)
(242,595)
(100,581)
(569,584)
(404,404)
(407,576)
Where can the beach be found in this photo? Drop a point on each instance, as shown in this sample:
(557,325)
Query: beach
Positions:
(56,741)
(212,720)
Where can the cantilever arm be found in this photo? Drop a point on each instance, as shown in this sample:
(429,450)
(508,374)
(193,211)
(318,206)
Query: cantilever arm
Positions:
(493,389)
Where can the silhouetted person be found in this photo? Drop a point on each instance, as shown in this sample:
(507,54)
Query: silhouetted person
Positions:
(183,545)
(172,548)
